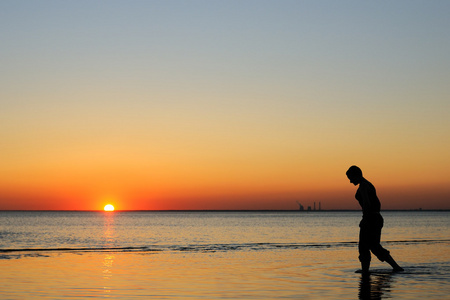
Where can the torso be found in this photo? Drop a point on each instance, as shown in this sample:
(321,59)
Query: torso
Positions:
(367,198)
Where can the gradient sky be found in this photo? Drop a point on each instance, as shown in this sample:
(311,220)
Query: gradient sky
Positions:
(223,104)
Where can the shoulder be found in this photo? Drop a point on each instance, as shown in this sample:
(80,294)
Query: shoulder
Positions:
(367,185)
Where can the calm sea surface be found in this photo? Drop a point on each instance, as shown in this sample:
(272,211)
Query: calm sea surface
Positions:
(218,255)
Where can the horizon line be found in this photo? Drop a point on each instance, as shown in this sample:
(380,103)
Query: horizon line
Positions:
(213,210)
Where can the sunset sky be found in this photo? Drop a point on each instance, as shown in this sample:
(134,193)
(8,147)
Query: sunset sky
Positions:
(223,104)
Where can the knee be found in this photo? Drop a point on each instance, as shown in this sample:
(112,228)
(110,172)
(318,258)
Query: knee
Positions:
(381,253)
(364,256)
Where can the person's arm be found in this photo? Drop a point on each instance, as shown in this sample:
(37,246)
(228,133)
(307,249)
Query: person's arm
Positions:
(364,190)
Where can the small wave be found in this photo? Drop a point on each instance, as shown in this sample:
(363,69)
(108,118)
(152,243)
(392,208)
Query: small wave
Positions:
(259,246)
(407,242)
(8,253)
(86,249)
(17,256)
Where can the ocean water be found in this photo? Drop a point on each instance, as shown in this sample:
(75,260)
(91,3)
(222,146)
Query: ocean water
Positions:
(218,255)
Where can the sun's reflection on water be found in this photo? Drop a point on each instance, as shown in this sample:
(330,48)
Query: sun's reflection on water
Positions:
(108,229)
(108,260)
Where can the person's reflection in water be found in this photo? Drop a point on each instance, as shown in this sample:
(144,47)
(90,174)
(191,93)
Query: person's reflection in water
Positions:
(371,223)
(374,287)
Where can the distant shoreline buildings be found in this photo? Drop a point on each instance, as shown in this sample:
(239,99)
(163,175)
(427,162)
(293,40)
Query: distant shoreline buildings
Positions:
(301,207)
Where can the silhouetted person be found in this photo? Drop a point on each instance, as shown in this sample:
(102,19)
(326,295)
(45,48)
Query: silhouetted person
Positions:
(371,223)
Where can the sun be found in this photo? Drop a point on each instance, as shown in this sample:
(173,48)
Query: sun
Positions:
(109,207)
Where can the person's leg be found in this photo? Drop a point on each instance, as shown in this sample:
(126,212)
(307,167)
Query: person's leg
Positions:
(364,249)
(381,253)
(393,264)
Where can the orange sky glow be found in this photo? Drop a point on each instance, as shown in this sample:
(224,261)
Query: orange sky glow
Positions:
(156,107)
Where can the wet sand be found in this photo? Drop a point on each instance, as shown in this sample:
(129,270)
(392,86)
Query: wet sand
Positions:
(278,274)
